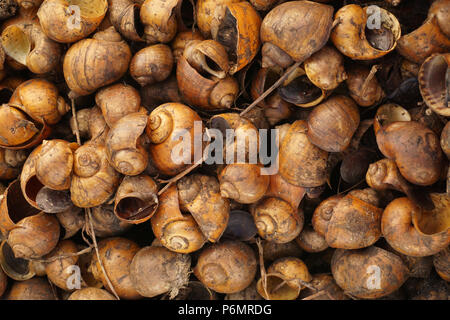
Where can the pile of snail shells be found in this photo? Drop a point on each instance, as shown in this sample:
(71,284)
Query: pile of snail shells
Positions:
(93,101)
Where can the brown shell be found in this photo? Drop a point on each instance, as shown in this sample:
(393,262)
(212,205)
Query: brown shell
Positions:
(106,224)
(206,14)
(177,231)
(117,101)
(181,40)
(445,140)
(354,224)
(238,32)
(243,182)
(226,267)
(27,45)
(351,37)
(302,163)
(11,162)
(166,124)
(34,236)
(368,273)
(200,195)
(208,94)
(58,18)
(299,28)
(90,294)
(32,289)
(159,20)
(105,57)
(136,199)
(384,175)
(423,42)
(414,231)
(161,92)
(207,56)
(124,148)
(323,213)
(331,124)
(152,64)
(116,255)
(124,16)
(54,164)
(94,180)
(310,241)
(325,68)
(389,113)
(156,270)
(60,270)
(364,96)
(71,220)
(14,208)
(40,98)
(415,149)
(277,221)
(279,188)
(291,271)
(433,83)
(21,130)
(441,262)
(29,183)
(15,268)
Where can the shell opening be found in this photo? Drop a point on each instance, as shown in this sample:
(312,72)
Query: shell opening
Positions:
(5,95)
(300,91)
(434,221)
(90,8)
(138,25)
(277,289)
(435,82)
(16,268)
(241,226)
(16,44)
(186,13)
(227,35)
(133,208)
(390,113)
(17,205)
(384,36)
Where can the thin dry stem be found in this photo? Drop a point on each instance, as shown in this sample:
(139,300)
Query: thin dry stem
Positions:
(272,88)
(64,256)
(94,239)
(370,76)
(262,268)
(75,121)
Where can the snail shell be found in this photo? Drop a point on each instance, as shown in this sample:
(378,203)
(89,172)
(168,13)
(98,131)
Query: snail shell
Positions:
(157,270)
(90,294)
(26,43)
(177,232)
(182,39)
(34,236)
(40,98)
(124,16)
(332,124)
(302,163)
(33,289)
(94,180)
(205,11)
(441,262)
(353,38)
(71,220)
(389,113)
(55,18)
(165,125)
(136,199)
(60,270)
(11,162)
(365,93)
(152,64)
(15,268)
(117,101)
(310,241)
(200,195)
(445,140)
(243,182)
(279,188)
(415,149)
(106,59)
(13,208)
(159,20)
(21,130)
(323,213)
(105,222)
(277,221)
(292,271)
(116,255)
(123,145)
(226,267)
(434,83)
(354,271)
(54,164)
(414,231)
(299,28)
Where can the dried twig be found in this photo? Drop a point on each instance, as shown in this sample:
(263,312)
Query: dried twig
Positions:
(94,239)
(370,76)
(64,256)
(262,268)
(272,88)
(75,121)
